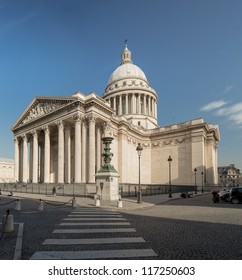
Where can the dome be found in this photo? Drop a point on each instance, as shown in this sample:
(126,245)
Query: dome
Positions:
(127,71)
(130,95)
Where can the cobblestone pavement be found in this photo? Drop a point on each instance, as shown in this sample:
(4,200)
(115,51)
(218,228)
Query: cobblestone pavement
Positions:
(179,229)
(193,228)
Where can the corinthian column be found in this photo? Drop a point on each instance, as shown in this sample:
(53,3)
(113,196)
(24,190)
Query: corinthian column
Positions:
(98,147)
(60,152)
(35,157)
(84,150)
(149,111)
(114,104)
(68,154)
(144,104)
(126,104)
(25,159)
(77,119)
(120,105)
(91,160)
(133,110)
(139,104)
(47,156)
(16,159)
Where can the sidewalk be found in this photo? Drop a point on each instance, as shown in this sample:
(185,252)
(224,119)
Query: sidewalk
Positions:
(128,203)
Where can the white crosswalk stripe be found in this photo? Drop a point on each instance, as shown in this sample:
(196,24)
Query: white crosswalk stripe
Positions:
(94,254)
(94,230)
(93,219)
(66,241)
(92,233)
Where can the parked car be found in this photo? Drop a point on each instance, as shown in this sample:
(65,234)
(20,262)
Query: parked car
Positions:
(224,194)
(236,195)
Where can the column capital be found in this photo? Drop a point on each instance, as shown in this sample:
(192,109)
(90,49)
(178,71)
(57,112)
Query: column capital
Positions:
(91,118)
(24,137)
(60,124)
(77,117)
(34,133)
(16,139)
(46,129)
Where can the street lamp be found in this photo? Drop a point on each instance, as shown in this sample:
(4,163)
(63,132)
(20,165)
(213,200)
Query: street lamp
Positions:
(202,173)
(139,149)
(169,161)
(195,173)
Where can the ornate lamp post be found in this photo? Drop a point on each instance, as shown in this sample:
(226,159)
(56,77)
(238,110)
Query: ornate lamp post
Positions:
(169,161)
(202,173)
(195,174)
(139,149)
(107,156)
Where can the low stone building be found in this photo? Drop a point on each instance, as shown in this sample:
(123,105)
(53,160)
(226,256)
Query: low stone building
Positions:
(6,170)
(58,138)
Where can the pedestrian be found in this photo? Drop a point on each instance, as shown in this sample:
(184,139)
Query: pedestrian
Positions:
(54,190)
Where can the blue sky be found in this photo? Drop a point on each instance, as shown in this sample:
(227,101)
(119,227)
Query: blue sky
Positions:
(190,51)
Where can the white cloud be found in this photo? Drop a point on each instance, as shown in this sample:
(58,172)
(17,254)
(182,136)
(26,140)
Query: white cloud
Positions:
(213,105)
(237,108)
(236,118)
(233,113)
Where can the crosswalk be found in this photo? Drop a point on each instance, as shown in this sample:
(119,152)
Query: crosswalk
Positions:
(93,233)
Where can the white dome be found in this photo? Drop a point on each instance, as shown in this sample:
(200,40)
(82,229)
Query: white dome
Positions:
(127,71)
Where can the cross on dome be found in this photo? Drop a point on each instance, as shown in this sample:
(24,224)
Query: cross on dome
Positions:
(126,45)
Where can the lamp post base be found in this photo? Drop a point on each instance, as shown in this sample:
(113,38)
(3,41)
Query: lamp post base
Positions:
(139,197)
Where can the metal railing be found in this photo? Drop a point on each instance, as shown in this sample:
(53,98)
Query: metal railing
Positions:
(83,190)
(47,189)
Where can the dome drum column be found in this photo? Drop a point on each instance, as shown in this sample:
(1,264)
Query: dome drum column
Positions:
(126,104)
(120,111)
(114,104)
(139,104)
(144,104)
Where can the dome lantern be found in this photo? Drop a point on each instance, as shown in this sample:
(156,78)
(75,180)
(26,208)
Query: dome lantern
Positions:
(126,56)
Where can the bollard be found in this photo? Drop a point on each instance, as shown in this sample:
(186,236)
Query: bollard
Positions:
(7,223)
(97,202)
(120,203)
(17,205)
(40,206)
(74,202)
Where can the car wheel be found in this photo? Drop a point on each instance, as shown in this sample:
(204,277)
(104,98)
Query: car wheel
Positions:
(235,200)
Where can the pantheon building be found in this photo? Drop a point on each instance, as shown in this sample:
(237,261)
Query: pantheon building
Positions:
(58,138)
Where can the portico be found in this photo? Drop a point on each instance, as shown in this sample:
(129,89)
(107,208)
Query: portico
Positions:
(57,151)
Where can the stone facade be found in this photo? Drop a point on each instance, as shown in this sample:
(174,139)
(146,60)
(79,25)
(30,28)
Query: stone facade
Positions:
(58,139)
(6,170)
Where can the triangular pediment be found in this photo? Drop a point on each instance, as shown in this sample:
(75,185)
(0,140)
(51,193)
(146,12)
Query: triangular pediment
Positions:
(40,107)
